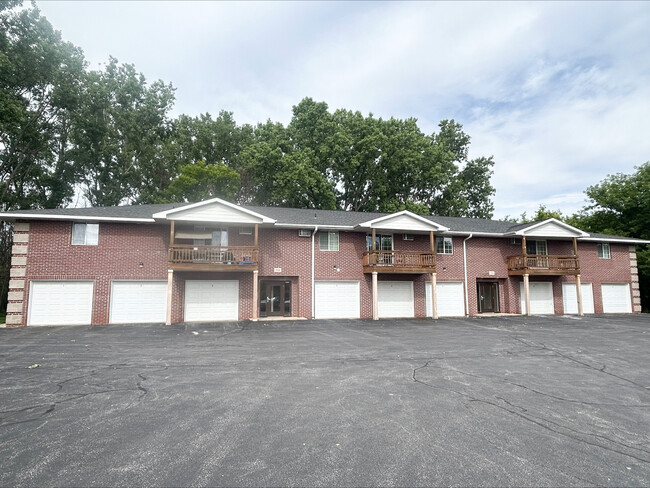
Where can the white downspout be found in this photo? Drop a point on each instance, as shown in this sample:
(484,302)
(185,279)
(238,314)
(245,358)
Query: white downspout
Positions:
(313,280)
(465,268)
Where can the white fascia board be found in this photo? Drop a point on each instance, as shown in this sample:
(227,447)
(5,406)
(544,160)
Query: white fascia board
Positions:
(167,213)
(314,226)
(631,240)
(87,218)
(372,223)
(522,232)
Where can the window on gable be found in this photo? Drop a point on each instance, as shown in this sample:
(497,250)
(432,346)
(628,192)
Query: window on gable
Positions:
(444,245)
(84,234)
(329,241)
(603,250)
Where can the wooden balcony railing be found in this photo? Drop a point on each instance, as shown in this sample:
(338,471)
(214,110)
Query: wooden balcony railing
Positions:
(188,256)
(399,262)
(543,264)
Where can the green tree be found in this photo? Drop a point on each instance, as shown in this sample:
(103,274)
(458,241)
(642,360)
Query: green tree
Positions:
(40,80)
(200,181)
(118,131)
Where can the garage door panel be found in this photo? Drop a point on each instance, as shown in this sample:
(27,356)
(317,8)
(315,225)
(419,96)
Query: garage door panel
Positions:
(541,298)
(616,298)
(209,300)
(337,300)
(395,299)
(570,299)
(60,303)
(138,302)
(450,299)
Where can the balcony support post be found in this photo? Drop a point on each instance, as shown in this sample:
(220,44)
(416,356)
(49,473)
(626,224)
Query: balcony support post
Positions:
(374,242)
(255,290)
(432,242)
(375,299)
(256,234)
(434,297)
(170,289)
(171,234)
(527,294)
(579,295)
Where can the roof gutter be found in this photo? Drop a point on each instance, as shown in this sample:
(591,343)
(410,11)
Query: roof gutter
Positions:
(87,218)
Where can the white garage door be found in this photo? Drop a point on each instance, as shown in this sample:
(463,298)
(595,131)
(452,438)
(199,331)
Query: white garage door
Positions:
(616,298)
(337,300)
(570,299)
(138,302)
(451,300)
(206,301)
(541,298)
(395,299)
(60,303)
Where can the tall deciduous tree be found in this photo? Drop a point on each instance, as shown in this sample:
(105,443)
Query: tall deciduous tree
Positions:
(118,132)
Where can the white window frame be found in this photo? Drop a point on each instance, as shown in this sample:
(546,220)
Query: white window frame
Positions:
(602,246)
(537,247)
(380,242)
(89,238)
(445,240)
(332,243)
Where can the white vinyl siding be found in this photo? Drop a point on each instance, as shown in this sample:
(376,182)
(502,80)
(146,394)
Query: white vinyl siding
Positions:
(207,301)
(329,241)
(616,298)
(84,234)
(450,299)
(138,302)
(395,299)
(337,300)
(541,298)
(60,303)
(570,299)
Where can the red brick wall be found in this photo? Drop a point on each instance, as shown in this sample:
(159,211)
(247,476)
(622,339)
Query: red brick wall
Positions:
(123,247)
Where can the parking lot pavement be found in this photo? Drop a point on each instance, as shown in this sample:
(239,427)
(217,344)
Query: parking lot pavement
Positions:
(518,401)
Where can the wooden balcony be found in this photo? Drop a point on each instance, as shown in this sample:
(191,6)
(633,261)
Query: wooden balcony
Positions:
(399,262)
(541,264)
(213,258)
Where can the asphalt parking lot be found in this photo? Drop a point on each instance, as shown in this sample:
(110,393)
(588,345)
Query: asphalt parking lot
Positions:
(517,401)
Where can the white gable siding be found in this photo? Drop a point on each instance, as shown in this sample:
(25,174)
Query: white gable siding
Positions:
(551,230)
(215,212)
(404,223)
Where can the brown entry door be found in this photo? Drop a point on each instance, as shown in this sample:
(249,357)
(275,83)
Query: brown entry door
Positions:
(488,297)
(275,298)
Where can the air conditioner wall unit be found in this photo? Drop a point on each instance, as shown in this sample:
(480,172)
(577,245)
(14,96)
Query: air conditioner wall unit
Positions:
(515,240)
(304,233)
(407,237)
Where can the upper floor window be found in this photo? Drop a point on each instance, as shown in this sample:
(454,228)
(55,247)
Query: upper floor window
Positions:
(329,241)
(603,250)
(84,234)
(444,245)
(383,242)
(536,247)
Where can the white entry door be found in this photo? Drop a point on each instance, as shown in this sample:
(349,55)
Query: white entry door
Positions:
(337,300)
(209,300)
(60,303)
(451,300)
(616,298)
(395,299)
(138,302)
(570,299)
(541,298)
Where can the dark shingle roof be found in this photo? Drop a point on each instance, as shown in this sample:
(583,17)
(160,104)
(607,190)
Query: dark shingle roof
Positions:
(293,216)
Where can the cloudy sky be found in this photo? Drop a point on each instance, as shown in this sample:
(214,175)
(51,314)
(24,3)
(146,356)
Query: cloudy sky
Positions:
(557,92)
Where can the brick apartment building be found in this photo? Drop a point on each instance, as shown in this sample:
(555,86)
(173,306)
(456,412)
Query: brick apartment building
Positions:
(214,260)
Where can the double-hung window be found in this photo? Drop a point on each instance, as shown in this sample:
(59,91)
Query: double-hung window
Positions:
(444,245)
(603,250)
(84,234)
(329,241)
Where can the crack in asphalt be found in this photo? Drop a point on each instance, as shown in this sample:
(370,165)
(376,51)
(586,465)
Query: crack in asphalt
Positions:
(539,421)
